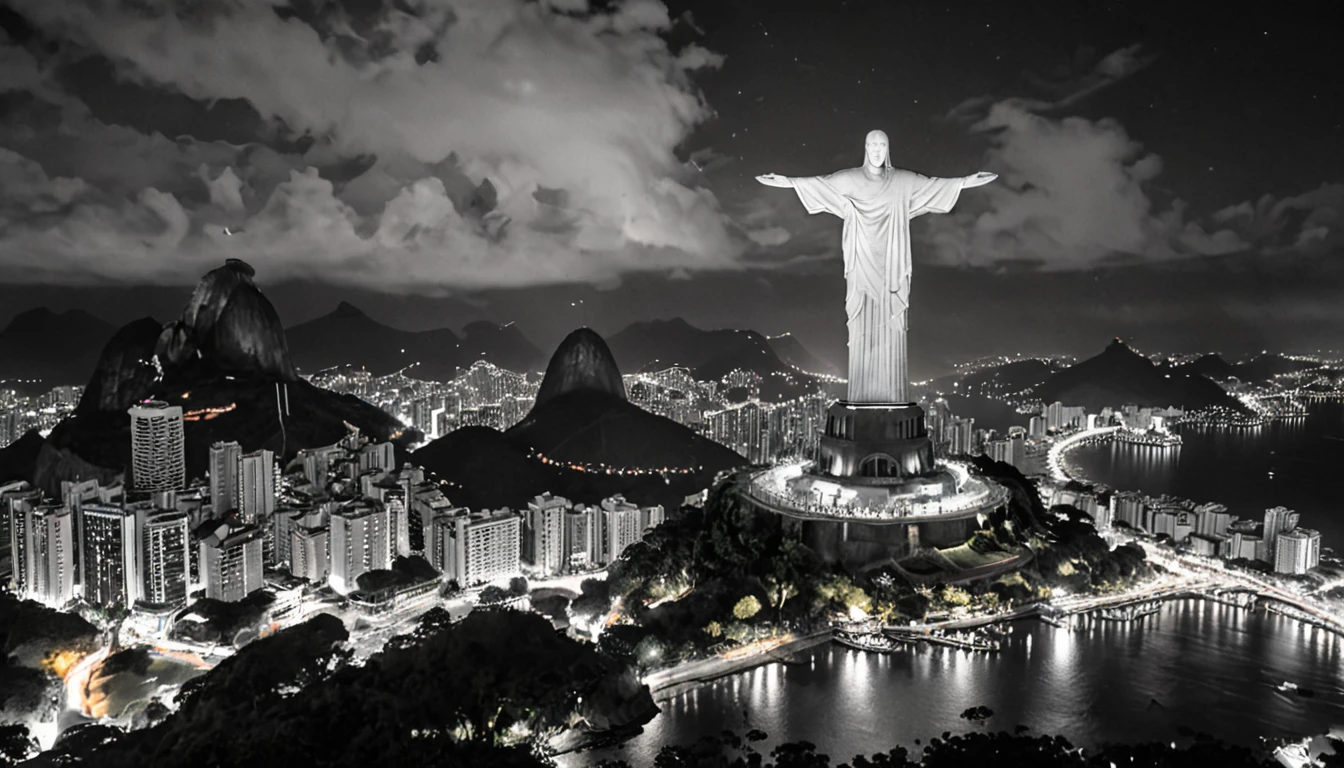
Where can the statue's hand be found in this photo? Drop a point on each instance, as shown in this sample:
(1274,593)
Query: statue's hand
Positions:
(774,180)
(978,180)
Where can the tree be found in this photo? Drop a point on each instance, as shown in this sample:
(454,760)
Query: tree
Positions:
(518,586)
(954,596)
(15,744)
(714,629)
(746,608)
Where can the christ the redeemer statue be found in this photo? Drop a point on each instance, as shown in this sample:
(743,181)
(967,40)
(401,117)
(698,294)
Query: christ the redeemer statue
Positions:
(876,203)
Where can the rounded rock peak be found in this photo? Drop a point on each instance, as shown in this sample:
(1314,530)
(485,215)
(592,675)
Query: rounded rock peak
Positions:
(583,361)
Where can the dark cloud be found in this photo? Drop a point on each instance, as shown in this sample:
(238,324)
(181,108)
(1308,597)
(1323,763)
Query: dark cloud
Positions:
(351,142)
(1077,193)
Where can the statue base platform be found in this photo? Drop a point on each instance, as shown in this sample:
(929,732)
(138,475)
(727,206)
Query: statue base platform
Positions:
(875,443)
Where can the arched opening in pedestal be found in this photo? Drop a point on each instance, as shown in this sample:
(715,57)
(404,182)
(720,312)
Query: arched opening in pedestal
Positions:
(879,465)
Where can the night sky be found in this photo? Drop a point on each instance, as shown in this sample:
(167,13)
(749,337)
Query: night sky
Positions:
(1168,174)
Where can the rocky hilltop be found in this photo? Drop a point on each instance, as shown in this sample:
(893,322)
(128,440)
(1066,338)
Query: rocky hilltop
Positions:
(226,362)
(583,426)
(227,327)
(1119,375)
(582,362)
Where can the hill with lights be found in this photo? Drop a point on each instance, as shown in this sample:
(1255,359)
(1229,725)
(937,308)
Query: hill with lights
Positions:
(225,361)
(1119,375)
(659,344)
(582,440)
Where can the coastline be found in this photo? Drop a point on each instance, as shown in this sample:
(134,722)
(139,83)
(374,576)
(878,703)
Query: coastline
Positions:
(670,683)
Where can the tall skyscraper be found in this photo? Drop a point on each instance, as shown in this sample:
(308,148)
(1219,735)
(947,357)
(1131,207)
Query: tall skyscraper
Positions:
(224,459)
(157,444)
(256,487)
(164,556)
(111,572)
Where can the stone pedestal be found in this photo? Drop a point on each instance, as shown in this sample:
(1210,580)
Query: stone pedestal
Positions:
(875,442)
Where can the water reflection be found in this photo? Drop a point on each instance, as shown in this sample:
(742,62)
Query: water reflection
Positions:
(1210,667)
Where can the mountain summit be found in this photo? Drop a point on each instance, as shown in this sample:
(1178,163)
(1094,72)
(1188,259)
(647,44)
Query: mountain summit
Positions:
(1119,376)
(228,326)
(581,362)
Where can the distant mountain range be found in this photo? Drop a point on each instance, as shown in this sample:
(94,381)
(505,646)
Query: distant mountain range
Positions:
(52,348)
(582,419)
(1119,375)
(347,336)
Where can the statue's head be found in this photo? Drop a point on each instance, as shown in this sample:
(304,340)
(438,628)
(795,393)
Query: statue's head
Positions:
(877,151)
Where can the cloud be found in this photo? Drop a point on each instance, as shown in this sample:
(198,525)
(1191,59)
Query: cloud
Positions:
(1073,193)
(378,129)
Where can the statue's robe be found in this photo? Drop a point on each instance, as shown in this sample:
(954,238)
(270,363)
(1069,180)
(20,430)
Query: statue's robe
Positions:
(876,243)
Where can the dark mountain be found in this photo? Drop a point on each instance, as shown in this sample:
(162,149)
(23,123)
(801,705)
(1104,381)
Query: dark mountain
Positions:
(793,353)
(347,336)
(228,327)
(225,362)
(1210,366)
(583,426)
(54,348)
(504,345)
(1009,378)
(1264,367)
(581,362)
(1119,375)
(711,355)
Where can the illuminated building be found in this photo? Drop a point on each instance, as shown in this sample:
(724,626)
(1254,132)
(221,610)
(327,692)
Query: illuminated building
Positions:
(110,568)
(224,459)
(230,562)
(1278,520)
(163,555)
(1213,519)
(580,538)
(620,524)
(544,533)
(49,557)
(379,456)
(1178,524)
(1297,551)
(256,487)
(1128,507)
(361,540)
(1036,427)
(479,548)
(310,554)
(157,440)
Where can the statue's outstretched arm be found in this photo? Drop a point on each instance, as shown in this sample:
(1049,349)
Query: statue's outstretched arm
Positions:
(978,179)
(775,180)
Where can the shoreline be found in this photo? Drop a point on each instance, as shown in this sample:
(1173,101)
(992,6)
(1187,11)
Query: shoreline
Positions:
(667,684)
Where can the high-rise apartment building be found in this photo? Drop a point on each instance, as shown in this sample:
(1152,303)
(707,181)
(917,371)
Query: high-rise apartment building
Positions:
(360,541)
(544,533)
(224,459)
(479,548)
(256,487)
(157,444)
(111,572)
(164,555)
(1298,551)
(230,562)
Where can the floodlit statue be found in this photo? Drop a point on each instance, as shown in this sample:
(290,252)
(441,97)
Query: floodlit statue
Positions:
(876,202)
